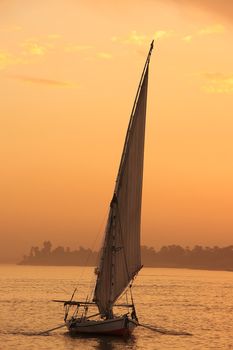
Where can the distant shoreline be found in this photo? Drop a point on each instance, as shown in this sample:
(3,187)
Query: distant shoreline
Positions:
(146,266)
(172,256)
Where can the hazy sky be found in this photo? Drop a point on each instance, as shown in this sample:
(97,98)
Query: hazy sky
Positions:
(69,72)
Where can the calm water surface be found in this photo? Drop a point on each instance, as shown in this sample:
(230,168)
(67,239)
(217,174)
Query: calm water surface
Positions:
(200,302)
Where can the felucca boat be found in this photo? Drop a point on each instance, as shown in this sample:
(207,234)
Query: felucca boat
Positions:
(120,258)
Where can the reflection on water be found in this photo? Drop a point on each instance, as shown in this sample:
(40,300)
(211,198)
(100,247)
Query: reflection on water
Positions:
(199,302)
(113,343)
(100,342)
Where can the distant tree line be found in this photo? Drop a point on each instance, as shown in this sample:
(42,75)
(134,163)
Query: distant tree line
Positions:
(59,256)
(199,257)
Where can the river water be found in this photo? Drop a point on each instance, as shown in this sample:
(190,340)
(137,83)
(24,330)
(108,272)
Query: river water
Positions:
(199,302)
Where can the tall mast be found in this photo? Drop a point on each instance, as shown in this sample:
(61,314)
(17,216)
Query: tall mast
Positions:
(120,256)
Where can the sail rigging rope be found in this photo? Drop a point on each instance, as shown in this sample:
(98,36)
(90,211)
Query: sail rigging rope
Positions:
(93,246)
(84,268)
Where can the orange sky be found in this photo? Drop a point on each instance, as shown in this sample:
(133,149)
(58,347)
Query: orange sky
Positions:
(69,72)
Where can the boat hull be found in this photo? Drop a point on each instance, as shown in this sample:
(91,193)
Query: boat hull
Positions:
(120,326)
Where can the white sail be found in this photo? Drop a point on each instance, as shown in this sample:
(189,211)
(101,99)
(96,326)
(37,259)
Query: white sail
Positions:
(120,256)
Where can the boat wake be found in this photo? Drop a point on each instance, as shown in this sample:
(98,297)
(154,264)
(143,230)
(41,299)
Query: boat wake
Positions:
(26,333)
(164,331)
